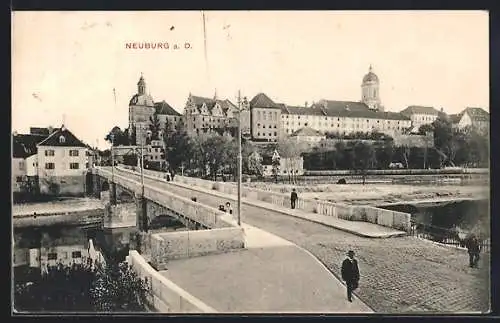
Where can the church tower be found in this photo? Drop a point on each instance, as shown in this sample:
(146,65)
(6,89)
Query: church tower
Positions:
(370,91)
(141,108)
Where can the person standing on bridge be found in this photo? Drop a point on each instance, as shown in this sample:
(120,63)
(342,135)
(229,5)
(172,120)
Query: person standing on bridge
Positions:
(350,274)
(473,248)
(228,208)
(293,198)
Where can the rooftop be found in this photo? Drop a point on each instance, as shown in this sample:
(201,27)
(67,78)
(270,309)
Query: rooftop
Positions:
(165,108)
(54,140)
(418,109)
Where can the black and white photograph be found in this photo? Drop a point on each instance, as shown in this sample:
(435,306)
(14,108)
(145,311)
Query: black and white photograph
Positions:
(317,162)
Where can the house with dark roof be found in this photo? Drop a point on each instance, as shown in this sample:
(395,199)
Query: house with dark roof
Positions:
(166,113)
(477,118)
(62,160)
(420,115)
(204,115)
(265,117)
(24,157)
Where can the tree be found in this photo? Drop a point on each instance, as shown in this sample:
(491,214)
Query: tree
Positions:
(276,164)
(290,150)
(115,136)
(214,152)
(364,158)
(130,159)
(84,288)
(443,134)
(178,146)
(385,155)
(154,126)
(133,135)
(425,128)
(255,164)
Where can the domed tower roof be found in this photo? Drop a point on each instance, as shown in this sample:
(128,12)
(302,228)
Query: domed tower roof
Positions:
(141,98)
(370,77)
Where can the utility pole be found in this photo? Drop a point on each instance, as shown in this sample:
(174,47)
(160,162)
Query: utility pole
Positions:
(242,105)
(239,157)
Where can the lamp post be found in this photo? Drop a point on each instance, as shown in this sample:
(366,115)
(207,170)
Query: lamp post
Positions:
(113,187)
(242,105)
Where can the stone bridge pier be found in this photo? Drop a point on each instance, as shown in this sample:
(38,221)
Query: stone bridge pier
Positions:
(128,209)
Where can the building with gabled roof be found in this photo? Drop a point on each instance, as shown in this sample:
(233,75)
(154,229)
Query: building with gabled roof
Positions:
(62,164)
(265,116)
(205,115)
(477,118)
(420,115)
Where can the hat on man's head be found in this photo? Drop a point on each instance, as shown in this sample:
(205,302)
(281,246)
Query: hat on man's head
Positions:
(350,252)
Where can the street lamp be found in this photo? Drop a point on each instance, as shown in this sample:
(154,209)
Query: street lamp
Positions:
(242,105)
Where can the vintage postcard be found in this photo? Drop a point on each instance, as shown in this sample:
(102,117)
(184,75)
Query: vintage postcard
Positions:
(250,162)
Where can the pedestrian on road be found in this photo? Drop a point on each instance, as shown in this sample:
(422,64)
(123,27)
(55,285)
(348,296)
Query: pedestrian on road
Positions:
(293,198)
(228,208)
(350,274)
(473,248)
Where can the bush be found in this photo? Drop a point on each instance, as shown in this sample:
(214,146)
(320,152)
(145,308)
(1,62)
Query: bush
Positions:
(84,288)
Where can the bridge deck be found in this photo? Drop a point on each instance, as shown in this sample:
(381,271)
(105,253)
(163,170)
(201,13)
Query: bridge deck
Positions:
(397,275)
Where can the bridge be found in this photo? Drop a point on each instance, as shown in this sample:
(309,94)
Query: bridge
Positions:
(251,273)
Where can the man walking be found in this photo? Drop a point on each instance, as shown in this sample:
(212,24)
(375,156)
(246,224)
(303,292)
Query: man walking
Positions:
(293,198)
(350,274)
(473,248)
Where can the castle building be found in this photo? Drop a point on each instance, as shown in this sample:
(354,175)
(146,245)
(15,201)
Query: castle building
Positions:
(344,117)
(205,115)
(265,116)
(419,116)
(142,109)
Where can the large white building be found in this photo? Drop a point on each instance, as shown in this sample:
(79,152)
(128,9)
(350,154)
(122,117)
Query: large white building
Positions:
(62,163)
(419,116)
(344,117)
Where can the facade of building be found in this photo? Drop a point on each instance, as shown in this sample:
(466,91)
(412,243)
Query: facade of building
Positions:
(344,117)
(288,166)
(62,162)
(265,116)
(24,156)
(307,136)
(420,115)
(477,118)
(205,115)
(142,108)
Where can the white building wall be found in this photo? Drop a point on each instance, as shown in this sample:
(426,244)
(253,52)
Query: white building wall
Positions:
(32,165)
(61,160)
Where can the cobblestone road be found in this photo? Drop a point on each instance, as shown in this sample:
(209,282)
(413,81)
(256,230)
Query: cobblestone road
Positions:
(398,275)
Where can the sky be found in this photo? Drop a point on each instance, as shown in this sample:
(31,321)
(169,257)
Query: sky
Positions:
(65,65)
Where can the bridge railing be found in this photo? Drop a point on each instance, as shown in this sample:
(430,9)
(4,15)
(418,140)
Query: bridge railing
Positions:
(209,217)
(388,218)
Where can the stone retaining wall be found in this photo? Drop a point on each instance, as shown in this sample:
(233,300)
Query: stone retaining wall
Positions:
(392,219)
(166,297)
(176,245)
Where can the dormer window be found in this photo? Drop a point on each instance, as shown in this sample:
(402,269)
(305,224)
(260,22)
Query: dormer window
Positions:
(62,140)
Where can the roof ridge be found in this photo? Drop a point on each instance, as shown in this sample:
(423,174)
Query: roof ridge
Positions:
(49,136)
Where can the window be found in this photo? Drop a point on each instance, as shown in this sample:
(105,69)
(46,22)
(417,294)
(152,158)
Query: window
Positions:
(258,134)
(74,166)
(49,153)
(73,153)
(264,115)
(19,179)
(21,165)
(52,256)
(50,166)
(269,134)
(269,126)
(76,254)
(275,127)
(275,133)
(62,140)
